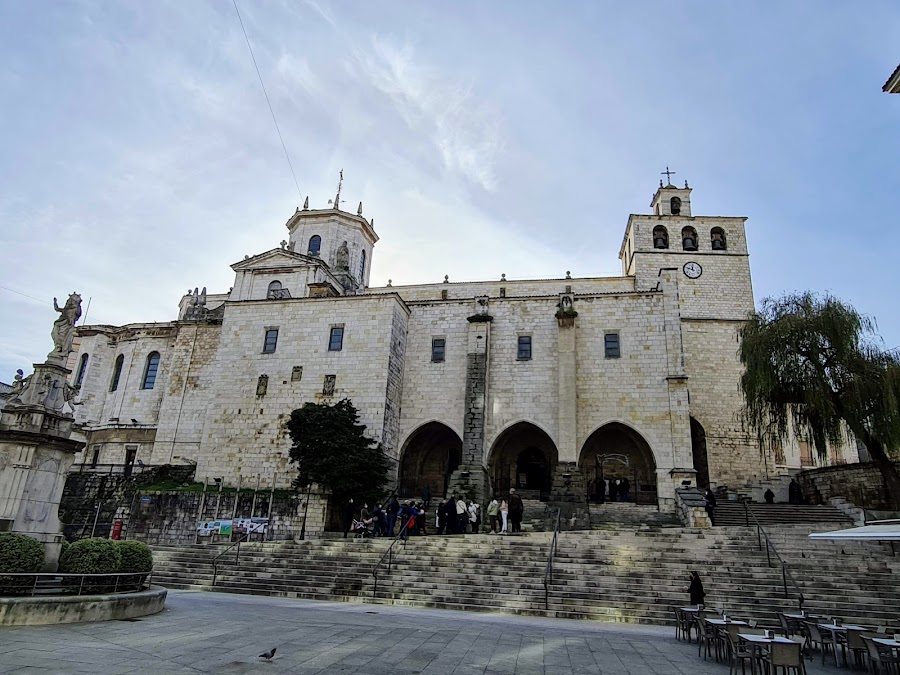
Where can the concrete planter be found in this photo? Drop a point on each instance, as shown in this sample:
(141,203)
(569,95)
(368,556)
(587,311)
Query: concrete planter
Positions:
(36,611)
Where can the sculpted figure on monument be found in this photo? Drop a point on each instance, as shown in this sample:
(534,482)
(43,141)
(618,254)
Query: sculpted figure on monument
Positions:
(64,327)
(342,257)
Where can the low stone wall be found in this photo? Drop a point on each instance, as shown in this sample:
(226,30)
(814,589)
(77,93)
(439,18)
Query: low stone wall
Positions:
(40,611)
(690,507)
(860,484)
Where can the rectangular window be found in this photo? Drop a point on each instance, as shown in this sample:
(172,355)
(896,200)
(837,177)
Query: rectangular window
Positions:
(806,455)
(296,373)
(611,345)
(271,341)
(328,385)
(438,349)
(336,341)
(95,457)
(524,352)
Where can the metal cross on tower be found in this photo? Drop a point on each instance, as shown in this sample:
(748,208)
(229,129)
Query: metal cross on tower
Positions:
(668,175)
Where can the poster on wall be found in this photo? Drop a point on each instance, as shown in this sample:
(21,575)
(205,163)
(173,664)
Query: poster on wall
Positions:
(250,525)
(207,528)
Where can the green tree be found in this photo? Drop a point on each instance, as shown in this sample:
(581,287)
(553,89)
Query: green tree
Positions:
(331,449)
(812,365)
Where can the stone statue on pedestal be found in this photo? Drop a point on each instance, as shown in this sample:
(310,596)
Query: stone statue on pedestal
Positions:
(342,258)
(64,327)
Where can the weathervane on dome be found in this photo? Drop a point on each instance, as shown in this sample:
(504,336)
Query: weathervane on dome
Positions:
(337,197)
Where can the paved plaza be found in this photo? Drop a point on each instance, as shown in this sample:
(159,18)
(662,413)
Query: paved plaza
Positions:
(221,633)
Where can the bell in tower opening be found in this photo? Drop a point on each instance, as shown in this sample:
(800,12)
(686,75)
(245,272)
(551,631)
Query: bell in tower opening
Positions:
(660,237)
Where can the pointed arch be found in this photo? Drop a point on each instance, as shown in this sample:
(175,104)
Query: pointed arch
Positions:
(523,456)
(429,455)
(617,451)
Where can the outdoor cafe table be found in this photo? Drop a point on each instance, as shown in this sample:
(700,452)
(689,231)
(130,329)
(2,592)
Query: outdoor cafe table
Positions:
(887,642)
(758,642)
(834,630)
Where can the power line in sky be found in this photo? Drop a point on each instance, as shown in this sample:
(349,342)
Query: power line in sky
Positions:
(24,295)
(271,110)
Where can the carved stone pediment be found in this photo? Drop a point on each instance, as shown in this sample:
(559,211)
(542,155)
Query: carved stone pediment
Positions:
(275,259)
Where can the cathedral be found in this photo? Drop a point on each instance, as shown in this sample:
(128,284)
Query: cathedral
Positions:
(551,386)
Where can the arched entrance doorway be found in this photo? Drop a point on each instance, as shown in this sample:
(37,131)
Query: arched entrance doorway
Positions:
(432,453)
(698,450)
(523,457)
(616,452)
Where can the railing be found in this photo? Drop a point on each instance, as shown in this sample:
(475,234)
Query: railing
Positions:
(53,583)
(770,548)
(548,573)
(112,469)
(237,555)
(389,554)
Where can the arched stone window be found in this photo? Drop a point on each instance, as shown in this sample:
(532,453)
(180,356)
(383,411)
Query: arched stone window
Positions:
(362,267)
(150,371)
(117,373)
(315,244)
(689,239)
(82,369)
(274,290)
(660,237)
(717,237)
(675,206)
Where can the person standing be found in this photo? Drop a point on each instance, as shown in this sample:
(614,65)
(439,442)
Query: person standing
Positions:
(493,514)
(516,510)
(462,515)
(795,494)
(474,517)
(695,589)
(626,490)
(504,516)
(347,516)
(613,490)
(769,496)
(449,515)
(392,510)
(426,496)
(710,498)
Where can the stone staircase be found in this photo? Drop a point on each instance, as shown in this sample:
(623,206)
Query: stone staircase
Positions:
(612,513)
(730,513)
(629,574)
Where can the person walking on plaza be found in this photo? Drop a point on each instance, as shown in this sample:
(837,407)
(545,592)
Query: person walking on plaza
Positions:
(392,510)
(696,589)
(504,516)
(516,510)
(426,496)
(710,499)
(493,514)
(347,516)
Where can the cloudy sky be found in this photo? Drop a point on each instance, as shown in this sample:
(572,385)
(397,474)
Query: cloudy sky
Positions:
(138,157)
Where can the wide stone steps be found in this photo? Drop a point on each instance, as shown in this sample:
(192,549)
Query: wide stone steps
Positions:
(729,513)
(626,574)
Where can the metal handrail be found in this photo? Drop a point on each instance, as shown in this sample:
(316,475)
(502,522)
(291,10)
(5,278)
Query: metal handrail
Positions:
(548,573)
(237,555)
(785,572)
(389,555)
(62,588)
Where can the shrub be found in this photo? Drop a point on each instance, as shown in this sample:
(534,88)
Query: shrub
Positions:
(91,556)
(19,553)
(136,556)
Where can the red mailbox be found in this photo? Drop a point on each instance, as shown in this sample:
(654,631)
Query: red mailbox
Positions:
(117,529)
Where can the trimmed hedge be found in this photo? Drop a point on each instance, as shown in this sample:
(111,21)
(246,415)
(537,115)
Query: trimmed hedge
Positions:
(20,553)
(136,556)
(90,556)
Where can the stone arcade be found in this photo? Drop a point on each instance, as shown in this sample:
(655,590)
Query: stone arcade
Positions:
(549,386)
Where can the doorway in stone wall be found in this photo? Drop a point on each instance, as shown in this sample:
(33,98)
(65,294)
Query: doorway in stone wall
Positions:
(523,457)
(616,452)
(430,455)
(698,450)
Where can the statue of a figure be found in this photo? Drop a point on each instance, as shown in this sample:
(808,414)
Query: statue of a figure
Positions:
(342,257)
(64,327)
(19,386)
(70,392)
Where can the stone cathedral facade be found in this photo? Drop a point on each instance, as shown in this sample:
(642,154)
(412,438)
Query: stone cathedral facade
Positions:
(549,386)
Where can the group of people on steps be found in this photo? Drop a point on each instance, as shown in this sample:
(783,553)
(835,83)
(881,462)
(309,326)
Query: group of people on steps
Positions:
(453,516)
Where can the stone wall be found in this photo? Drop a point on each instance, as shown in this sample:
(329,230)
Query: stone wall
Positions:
(860,484)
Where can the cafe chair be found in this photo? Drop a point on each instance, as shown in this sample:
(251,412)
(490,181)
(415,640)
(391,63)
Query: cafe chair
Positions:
(881,659)
(824,640)
(786,657)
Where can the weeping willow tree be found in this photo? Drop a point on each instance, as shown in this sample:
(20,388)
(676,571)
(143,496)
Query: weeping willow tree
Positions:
(813,365)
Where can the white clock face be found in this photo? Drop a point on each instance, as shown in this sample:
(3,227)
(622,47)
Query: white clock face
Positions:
(692,270)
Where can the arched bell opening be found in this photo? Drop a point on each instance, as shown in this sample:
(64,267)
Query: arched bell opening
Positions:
(618,465)
(430,455)
(523,457)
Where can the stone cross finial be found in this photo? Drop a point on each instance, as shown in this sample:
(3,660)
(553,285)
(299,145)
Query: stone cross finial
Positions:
(668,174)
(446,278)
(283,244)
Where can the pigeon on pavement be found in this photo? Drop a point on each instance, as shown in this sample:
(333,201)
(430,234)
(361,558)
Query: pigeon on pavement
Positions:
(268,655)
